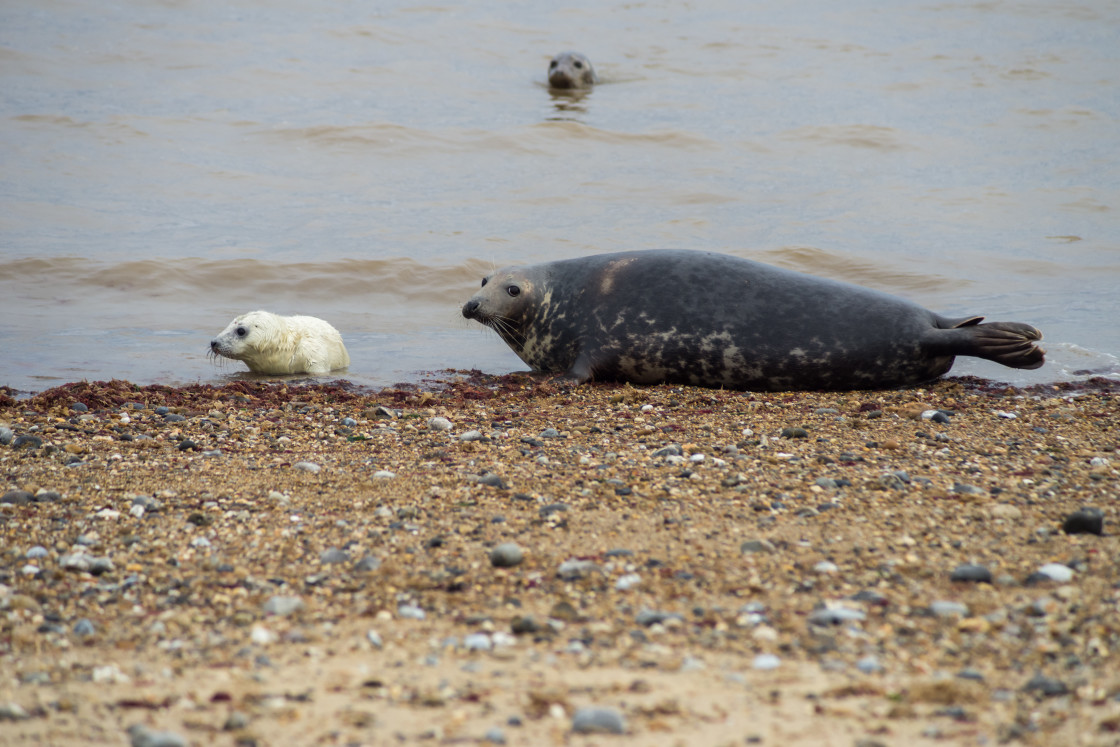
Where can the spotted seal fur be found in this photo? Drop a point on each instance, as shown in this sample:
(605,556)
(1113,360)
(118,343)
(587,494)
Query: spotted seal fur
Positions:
(714,320)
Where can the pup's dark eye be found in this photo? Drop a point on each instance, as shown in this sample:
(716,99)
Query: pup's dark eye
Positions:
(578,64)
(241,331)
(513,290)
(552,64)
(485,281)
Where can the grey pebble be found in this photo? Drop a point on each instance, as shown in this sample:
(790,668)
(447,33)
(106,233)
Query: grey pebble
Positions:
(1055,572)
(28,441)
(172,417)
(236,721)
(141,736)
(439,424)
(98,566)
(282,606)
(794,433)
(17,497)
(410,612)
(374,639)
(368,563)
(333,555)
(766,662)
(12,711)
(627,582)
(150,504)
(6,435)
(471,436)
(758,545)
(84,627)
(571,570)
(942,608)
(506,555)
(307,467)
(493,480)
(75,562)
(550,433)
(835,616)
(598,721)
(477,642)
(891,481)
(494,735)
(645,618)
(971,573)
(666,451)
(1047,686)
(966,489)
(869,665)
(349,422)
(37,552)
(827,482)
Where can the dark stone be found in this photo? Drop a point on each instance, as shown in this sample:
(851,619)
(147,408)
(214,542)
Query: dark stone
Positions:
(17,497)
(971,573)
(1086,520)
(1046,686)
(493,480)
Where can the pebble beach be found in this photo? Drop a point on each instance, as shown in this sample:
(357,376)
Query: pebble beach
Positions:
(481,560)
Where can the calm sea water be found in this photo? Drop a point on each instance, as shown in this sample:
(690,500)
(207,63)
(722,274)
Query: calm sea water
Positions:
(165,166)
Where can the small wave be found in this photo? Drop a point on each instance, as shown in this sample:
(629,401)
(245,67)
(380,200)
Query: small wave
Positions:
(541,138)
(212,279)
(854,136)
(871,273)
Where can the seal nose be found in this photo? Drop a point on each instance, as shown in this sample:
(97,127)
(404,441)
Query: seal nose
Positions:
(214,344)
(470,308)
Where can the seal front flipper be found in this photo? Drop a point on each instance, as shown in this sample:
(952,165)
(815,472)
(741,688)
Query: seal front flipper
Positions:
(580,370)
(1009,343)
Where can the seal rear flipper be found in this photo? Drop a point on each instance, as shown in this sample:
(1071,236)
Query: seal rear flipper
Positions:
(1009,343)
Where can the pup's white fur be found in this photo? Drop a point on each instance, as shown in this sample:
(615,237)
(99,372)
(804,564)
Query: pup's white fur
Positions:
(273,344)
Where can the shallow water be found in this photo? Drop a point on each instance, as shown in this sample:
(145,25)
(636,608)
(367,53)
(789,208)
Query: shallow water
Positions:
(167,166)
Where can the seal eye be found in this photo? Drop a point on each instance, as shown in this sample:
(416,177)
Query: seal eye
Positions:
(514,291)
(485,281)
(241,331)
(552,64)
(578,64)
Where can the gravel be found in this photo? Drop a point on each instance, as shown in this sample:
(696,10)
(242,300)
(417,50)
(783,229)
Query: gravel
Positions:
(791,548)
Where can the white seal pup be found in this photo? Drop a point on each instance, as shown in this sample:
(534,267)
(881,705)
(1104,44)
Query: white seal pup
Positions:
(571,70)
(713,320)
(273,344)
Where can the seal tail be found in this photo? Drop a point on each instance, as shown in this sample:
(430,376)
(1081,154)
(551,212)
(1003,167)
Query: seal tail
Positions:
(1009,343)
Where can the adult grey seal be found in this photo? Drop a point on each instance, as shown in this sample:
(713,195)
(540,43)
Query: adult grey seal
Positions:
(571,70)
(714,320)
(273,344)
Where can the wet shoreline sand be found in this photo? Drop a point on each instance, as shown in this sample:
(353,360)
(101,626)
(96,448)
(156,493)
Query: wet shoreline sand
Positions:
(280,587)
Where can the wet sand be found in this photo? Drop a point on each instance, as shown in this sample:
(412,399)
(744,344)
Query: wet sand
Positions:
(280,587)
